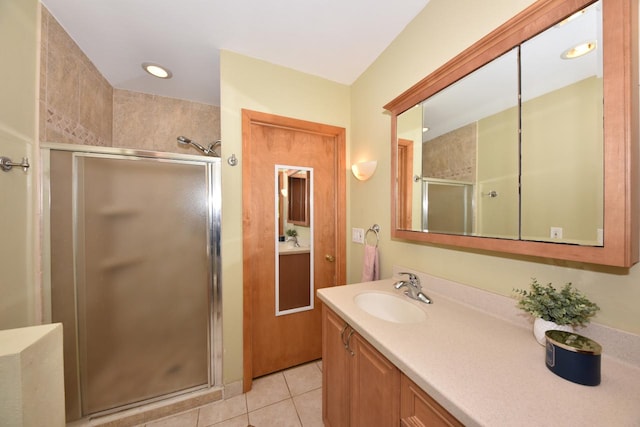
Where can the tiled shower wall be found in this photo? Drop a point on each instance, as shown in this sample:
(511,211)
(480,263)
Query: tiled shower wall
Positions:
(452,155)
(150,122)
(79,106)
(76,102)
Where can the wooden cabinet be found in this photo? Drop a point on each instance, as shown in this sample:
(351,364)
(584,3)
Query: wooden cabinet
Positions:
(362,388)
(293,284)
(418,409)
(335,370)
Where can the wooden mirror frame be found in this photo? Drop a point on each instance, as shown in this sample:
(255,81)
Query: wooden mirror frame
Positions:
(620,56)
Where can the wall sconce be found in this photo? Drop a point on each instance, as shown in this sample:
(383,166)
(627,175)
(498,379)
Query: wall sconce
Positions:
(364,170)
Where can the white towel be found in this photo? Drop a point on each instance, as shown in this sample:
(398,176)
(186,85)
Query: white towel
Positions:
(371,264)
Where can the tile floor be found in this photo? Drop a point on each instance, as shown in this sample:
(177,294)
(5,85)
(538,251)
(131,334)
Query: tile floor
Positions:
(291,398)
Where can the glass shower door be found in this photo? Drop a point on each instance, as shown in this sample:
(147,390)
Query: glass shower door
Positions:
(143,277)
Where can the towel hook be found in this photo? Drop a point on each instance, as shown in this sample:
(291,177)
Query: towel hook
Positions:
(375,228)
(6,164)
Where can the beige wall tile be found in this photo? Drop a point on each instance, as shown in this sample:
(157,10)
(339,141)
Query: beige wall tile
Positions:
(77,98)
(151,122)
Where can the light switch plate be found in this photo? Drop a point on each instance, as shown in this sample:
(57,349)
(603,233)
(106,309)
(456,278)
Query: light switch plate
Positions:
(357,235)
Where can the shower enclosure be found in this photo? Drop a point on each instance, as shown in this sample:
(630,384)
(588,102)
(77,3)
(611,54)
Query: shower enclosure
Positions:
(134,242)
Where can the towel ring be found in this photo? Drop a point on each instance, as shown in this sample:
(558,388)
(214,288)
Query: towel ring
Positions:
(375,229)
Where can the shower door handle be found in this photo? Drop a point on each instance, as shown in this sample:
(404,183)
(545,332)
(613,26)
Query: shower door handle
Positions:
(329,258)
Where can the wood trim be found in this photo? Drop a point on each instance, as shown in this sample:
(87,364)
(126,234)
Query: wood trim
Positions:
(339,134)
(621,207)
(405,178)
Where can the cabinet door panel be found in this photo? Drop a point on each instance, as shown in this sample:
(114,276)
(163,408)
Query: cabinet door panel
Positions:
(335,371)
(419,409)
(375,386)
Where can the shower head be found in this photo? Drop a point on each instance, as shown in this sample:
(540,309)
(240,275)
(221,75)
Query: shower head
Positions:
(184,140)
(209,150)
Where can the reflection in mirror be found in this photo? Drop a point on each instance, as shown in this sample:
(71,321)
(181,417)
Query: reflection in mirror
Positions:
(513,150)
(294,239)
(562,132)
(467,149)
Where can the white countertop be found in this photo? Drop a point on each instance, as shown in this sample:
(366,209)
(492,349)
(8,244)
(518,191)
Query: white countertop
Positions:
(486,370)
(287,248)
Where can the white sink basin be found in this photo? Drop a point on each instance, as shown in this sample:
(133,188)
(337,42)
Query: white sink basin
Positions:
(389,307)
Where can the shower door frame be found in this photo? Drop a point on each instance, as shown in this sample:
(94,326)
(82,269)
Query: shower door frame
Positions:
(214,228)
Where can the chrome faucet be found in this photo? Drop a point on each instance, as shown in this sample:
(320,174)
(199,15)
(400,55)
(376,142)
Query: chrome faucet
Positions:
(414,288)
(294,239)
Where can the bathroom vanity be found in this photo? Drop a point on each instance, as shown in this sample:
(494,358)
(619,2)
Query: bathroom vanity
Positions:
(470,360)
(362,387)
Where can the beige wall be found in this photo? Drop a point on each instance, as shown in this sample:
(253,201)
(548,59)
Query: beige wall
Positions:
(498,170)
(561,183)
(79,106)
(19,260)
(256,85)
(440,31)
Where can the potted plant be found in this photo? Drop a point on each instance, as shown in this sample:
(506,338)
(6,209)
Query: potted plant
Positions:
(293,236)
(561,309)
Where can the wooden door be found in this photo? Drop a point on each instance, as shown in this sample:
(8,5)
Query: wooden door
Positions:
(271,342)
(374,388)
(405,184)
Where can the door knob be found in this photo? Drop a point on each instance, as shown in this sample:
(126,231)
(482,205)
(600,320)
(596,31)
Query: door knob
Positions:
(329,258)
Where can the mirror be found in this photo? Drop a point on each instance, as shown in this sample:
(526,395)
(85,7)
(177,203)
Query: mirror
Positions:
(294,239)
(298,199)
(519,134)
(511,147)
(469,152)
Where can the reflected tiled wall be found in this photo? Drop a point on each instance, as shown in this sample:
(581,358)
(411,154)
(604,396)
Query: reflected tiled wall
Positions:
(452,155)
(79,106)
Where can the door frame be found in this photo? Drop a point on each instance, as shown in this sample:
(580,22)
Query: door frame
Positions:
(250,118)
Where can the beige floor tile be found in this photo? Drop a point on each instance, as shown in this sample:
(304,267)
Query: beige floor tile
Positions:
(309,408)
(319,364)
(267,390)
(221,411)
(304,378)
(186,419)
(241,421)
(281,414)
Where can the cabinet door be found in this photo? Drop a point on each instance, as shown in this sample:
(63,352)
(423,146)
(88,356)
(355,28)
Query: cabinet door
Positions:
(418,409)
(375,387)
(335,370)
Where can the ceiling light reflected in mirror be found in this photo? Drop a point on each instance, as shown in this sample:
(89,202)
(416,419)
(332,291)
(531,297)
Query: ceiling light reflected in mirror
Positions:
(157,70)
(579,50)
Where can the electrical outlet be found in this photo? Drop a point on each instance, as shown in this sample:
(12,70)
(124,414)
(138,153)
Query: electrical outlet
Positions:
(556,233)
(357,235)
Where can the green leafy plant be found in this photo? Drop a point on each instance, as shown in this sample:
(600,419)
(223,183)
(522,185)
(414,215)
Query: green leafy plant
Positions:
(292,232)
(567,306)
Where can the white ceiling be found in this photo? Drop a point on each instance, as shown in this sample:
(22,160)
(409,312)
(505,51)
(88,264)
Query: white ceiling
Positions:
(333,39)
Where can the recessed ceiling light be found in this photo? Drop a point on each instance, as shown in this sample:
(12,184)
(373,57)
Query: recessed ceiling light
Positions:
(156,70)
(425,129)
(579,50)
(576,15)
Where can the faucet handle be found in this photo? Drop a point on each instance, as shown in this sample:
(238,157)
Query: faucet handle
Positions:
(412,278)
